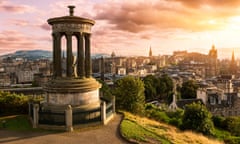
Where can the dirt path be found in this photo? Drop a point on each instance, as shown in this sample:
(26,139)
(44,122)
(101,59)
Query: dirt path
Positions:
(108,134)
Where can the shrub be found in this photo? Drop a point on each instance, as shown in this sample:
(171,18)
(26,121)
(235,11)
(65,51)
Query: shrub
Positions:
(218,121)
(176,114)
(176,122)
(196,117)
(232,124)
(13,103)
(232,140)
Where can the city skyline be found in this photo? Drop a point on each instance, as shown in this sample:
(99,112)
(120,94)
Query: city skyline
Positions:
(127,27)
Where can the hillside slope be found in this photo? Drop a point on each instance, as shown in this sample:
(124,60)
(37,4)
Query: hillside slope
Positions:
(143,130)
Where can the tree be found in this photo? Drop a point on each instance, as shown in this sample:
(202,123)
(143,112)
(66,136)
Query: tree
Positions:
(232,124)
(164,87)
(129,92)
(11,103)
(189,89)
(150,87)
(105,90)
(197,117)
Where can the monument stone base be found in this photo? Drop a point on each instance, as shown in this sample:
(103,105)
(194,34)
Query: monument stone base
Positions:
(81,96)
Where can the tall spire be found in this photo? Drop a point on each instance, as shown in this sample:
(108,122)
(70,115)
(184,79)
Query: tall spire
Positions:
(233,57)
(213,47)
(233,66)
(150,52)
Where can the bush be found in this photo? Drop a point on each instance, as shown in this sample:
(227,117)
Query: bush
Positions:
(155,113)
(232,140)
(218,121)
(161,116)
(232,124)
(13,103)
(106,91)
(176,114)
(196,117)
(177,122)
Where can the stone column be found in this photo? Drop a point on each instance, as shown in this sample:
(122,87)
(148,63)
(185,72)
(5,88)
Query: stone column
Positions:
(102,68)
(30,109)
(113,104)
(68,118)
(80,56)
(69,54)
(54,54)
(57,64)
(103,112)
(88,65)
(35,115)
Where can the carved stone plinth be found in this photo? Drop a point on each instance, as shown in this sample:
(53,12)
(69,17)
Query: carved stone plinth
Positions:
(70,91)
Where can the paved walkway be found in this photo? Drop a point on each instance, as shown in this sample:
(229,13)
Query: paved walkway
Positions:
(108,134)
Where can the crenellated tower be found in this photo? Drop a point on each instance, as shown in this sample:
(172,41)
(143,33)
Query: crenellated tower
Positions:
(212,63)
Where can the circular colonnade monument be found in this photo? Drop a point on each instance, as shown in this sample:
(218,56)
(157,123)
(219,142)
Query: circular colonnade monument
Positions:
(77,87)
(71,98)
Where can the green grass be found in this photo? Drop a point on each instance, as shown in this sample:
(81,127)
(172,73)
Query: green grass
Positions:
(16,122)
(133,131)
(221,134)
(143,130)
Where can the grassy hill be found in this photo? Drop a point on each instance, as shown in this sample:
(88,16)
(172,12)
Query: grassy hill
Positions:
(142,130)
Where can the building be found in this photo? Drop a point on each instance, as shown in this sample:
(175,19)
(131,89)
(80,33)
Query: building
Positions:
(212,63)
(233,65)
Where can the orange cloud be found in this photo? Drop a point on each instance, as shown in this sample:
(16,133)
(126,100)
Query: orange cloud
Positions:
(18,22)
(211,3)
(12,40)
(45,26)
(7,6)
(174,14)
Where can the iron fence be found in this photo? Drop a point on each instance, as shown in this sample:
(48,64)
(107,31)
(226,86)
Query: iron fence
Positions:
(51,118)
(83,117)
(109,110)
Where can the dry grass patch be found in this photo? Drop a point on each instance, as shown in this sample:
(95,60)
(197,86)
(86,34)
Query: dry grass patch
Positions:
(161,131)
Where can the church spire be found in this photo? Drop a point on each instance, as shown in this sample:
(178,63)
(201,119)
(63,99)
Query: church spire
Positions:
(233,66)
(150,52)
(233,57)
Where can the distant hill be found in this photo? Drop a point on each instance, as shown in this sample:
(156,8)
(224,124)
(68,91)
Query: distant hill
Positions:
(30,54)
(40,54)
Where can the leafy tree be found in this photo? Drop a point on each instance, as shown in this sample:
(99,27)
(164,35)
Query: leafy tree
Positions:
(219,122)
(129,92)
(232,124)
(197,117)
(165,87)
(13,103)
(150,87)
(189,89)
(106,91)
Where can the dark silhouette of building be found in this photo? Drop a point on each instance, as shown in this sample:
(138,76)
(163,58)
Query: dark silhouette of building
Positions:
(233,65)
(150,52)
(212,66)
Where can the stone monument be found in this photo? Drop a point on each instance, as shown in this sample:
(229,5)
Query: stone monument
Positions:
(76,91)
(79,88)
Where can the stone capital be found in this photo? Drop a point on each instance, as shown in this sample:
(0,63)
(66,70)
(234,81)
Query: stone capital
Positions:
(56,34)
(69,34)
(87,35)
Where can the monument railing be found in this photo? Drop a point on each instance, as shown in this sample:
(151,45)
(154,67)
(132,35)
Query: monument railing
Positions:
(51,118)
(109,109)
(83,117)
(30,110)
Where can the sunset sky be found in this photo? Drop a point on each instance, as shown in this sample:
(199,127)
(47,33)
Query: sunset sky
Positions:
(128,27)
